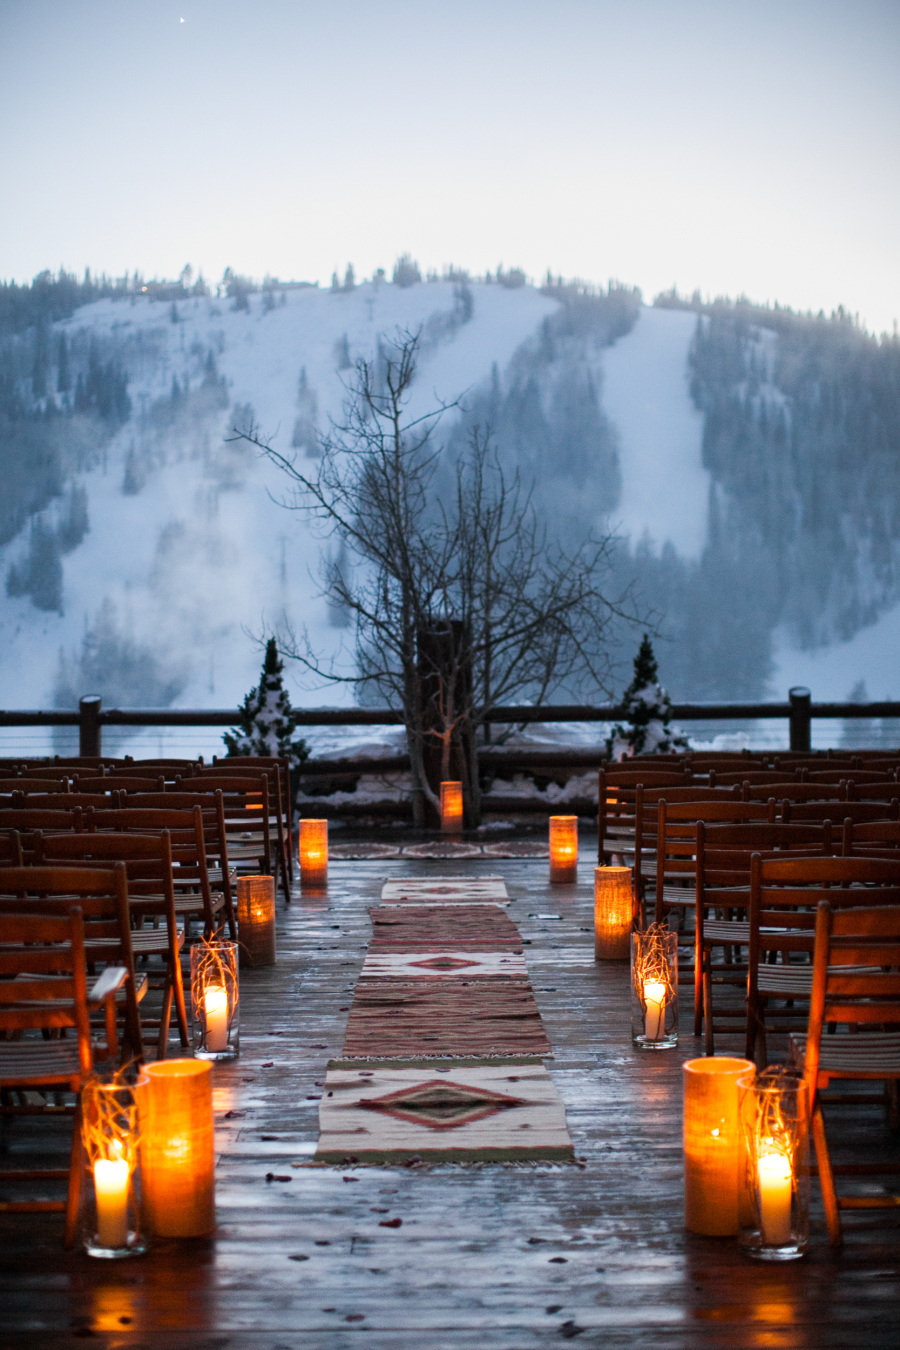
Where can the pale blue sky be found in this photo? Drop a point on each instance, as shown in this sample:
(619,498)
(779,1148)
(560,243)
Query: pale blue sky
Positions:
(730,146)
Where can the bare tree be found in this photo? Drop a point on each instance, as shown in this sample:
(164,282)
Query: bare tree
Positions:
(460,602)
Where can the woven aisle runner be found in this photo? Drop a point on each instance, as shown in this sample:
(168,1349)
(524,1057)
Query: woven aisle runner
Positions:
(444,1039)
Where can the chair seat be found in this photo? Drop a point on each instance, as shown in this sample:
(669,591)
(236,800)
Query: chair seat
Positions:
(726,931)
(152,941)
(678,895)
(216,877)
(869,1054)
(35,1062)
(193,903)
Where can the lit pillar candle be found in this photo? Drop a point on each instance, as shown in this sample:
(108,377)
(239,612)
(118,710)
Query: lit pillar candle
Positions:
(563,849)
(713,1148)
(613,913)
(451,808)
(111,1190)
(215,1008)
(313,852)
(177,1147)
(655,1003)
(775,1181)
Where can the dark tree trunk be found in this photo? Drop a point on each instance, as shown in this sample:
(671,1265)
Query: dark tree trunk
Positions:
(445,683)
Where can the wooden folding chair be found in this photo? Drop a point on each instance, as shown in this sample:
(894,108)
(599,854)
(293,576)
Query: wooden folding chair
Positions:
(102,896)
(248,823)
(676,848)
(194,893)
(724,858)
(784,894)
(856,983)
(233,762)
(147,860)
(43,994)
(220,872)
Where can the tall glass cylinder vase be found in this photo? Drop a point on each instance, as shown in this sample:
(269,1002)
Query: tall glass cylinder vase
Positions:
(111,1204)
(215,1000)
(654,988)
(775,1131)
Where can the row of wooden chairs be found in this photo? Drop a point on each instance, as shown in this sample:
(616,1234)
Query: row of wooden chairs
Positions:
(257,792)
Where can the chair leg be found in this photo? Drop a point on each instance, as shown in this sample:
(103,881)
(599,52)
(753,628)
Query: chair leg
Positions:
(699,962)
(180,1006)
(165,1019)
(76,1166)
(709,1045)
(826,1179)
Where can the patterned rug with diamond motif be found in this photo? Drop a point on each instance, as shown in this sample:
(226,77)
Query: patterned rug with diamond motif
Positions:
(442,1056)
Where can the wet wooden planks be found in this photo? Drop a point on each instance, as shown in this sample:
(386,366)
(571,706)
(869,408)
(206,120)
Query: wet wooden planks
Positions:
(488,1257)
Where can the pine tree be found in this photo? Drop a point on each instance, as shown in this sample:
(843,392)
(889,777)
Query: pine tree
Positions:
(64,375)
(648,709)
(41,363)
(349,278)
(267,722)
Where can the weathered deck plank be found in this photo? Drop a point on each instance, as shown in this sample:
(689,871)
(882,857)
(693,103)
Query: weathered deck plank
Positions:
(492,1257)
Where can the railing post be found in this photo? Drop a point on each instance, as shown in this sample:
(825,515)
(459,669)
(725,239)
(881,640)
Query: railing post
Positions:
(89,730)
(800,699)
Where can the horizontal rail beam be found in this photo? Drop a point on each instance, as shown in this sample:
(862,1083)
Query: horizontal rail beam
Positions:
(349,717)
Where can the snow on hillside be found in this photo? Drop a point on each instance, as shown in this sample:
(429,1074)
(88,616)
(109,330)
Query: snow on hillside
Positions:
(202,556)
(665,487)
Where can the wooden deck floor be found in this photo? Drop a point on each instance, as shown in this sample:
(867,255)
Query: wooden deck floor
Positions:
(493,1257)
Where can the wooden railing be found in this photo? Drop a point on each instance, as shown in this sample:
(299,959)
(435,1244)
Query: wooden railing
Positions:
(91,717)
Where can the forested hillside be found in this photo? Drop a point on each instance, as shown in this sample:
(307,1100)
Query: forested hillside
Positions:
(116,400)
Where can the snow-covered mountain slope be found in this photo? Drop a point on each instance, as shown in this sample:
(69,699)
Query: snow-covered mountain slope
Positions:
(201,556)
(189,555)
(665,487)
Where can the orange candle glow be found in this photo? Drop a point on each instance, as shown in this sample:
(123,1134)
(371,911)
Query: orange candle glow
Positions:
(713,1149)
(613,913)
(313,852)
(178,1148)
(256,920)
(563,849)
(451,808)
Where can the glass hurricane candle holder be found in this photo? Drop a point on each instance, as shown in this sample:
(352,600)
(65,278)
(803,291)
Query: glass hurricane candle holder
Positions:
(654,988)
(256,920)
(451,808)
(563,850)
(178,1157)
(713,1151)
(313,853)
(613,913)
(112,1198)
(775,1131)
(215,999)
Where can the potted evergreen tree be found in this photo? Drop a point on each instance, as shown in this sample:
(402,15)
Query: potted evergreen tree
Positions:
(648,709)
(267,721)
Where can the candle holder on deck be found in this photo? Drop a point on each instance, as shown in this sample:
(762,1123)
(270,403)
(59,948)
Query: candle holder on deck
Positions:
(313,851)
(563,850)
(714,1190)
(613,913)
(215,999)
(178,1156)
(256,920)
(111,1212)
(451,808)
(654,988)
(775,1131)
